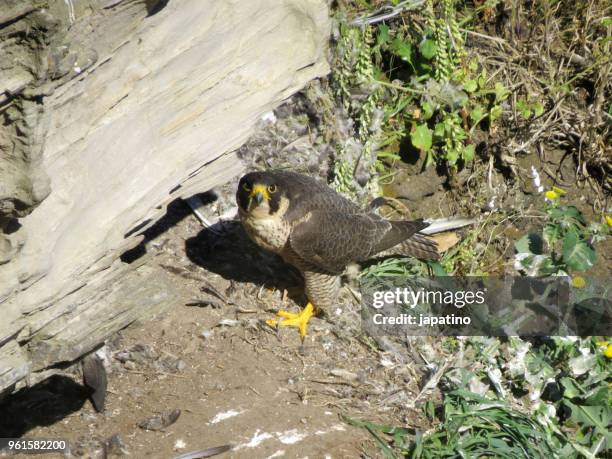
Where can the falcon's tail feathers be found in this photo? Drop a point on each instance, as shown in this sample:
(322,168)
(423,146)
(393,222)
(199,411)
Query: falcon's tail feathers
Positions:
(440,225)
(398,232)
(404,239)
(417,246)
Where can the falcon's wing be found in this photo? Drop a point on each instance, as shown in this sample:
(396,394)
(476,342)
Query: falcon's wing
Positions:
(331,240)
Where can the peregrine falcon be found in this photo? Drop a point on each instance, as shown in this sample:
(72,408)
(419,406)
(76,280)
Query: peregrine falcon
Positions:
(320,232)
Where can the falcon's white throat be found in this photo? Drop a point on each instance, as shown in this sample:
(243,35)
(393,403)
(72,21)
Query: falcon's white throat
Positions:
(258,210)
(269,231)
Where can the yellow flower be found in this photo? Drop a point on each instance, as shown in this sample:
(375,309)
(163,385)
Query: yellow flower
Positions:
(559,191)
(609,220)
(606,348)
(578,282)
(551,195)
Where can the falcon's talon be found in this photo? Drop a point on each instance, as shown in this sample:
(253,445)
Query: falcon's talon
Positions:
(287,314)
(290,319)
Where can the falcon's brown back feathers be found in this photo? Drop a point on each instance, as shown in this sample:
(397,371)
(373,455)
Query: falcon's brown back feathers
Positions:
(325,231)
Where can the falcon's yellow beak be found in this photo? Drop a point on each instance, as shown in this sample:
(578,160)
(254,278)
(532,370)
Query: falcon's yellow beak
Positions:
(259,193)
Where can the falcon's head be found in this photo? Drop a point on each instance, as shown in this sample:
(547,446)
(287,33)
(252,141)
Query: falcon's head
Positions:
(262,194)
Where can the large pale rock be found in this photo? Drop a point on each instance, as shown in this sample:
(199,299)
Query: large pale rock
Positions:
(134,104)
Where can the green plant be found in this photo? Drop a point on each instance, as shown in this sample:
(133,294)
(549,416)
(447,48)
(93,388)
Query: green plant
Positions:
(528,108)
(395,267)
(568,379)
(566,411)
(354,70)
(419,77)
(563,246)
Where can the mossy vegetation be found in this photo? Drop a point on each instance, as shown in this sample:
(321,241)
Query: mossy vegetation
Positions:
(515,90)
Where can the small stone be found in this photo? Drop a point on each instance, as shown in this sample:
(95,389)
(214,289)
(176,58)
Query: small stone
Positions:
(207,334)
(160,421)
(180,365)
(116,446)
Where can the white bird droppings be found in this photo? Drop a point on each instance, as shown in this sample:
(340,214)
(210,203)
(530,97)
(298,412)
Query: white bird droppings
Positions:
(225,415)
(291,436)
(256,440)
(269,117)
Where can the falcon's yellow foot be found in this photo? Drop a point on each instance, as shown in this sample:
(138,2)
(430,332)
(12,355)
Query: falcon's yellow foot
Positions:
(289,319)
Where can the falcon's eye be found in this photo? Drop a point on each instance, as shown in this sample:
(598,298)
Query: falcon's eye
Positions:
(272,189)
(246,186)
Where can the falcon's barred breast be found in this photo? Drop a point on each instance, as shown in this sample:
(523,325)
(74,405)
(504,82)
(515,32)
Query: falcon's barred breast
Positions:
(320,232)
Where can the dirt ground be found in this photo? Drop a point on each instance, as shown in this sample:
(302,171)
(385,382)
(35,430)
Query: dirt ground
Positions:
(234,379)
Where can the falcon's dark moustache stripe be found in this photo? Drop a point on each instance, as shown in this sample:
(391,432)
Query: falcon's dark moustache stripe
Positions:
(274,203)
(243,200)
